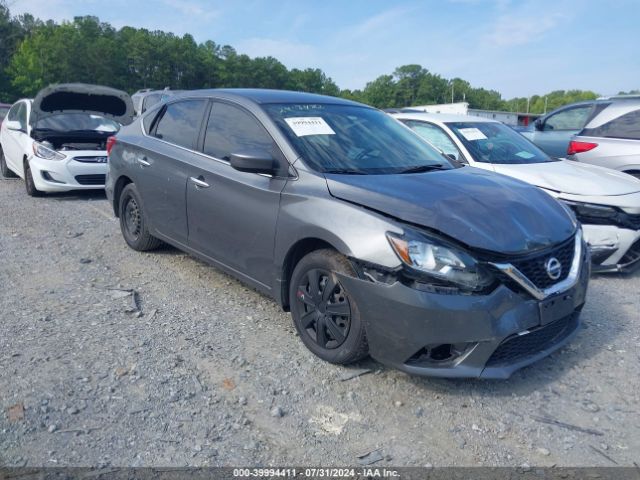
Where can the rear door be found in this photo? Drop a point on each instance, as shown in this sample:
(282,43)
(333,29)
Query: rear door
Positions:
(232,215)
(162,165)
(559,127)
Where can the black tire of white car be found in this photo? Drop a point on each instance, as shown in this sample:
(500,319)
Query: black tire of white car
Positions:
(343,336)
(32,191)
(133,223)
(4,168)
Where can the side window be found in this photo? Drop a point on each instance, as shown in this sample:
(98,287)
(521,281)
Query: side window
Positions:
(232,130)
(436,137)
(625,126)
(570,119)
(22,115)
(147,122)
(13,112)
(150,100)
(180,122)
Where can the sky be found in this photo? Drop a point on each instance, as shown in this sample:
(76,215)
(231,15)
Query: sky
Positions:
(517,47)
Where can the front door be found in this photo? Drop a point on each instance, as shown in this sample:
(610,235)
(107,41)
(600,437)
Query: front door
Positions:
(232,215)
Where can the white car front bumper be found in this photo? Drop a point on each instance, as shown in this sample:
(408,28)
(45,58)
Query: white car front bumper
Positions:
(85,170)
(612,248)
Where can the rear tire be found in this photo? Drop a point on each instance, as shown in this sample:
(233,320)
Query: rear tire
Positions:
(133,223)
(32,191)
(4,168)
(324,314)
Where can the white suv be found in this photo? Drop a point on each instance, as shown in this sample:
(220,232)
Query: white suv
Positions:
(59,141)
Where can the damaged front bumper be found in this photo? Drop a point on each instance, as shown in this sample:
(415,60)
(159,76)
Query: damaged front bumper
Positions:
(613,249)
(458,335)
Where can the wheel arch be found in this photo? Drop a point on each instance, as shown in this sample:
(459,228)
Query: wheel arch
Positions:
(295,253)
(122,182)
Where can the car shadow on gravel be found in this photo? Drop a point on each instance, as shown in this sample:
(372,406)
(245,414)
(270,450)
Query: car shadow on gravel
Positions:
(591,338)
(75,195)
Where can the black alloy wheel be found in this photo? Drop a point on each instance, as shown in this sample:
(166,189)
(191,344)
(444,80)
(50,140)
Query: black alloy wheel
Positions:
(327,313)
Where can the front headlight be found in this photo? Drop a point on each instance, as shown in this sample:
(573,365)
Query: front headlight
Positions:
(42,151)
(591,210)
(439,262)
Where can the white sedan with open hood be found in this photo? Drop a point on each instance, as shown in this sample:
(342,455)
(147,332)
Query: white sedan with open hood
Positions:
(59,140)
(606,202)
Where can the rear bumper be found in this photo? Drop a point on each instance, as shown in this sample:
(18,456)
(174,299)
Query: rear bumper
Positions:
(65,175)
(489,336)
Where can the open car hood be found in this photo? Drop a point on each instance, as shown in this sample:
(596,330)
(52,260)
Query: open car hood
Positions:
(574,178)
(480,209)
(82,98)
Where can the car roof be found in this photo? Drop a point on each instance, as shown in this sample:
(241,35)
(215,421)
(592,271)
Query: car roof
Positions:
(442,117)
(265,96)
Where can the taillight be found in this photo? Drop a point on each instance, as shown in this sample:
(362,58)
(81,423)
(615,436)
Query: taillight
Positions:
(111,142)
(580,147)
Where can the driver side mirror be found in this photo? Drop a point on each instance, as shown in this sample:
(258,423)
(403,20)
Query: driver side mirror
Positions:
(539,125)
(254,162)
(14,125)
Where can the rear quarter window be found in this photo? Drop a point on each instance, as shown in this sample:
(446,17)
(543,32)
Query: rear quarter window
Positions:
(626,126)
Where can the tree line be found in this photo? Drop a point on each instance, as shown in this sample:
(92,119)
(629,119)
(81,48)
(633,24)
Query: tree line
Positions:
(36,53)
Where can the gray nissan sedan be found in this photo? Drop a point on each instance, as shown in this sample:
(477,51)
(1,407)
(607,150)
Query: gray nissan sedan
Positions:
(375,241)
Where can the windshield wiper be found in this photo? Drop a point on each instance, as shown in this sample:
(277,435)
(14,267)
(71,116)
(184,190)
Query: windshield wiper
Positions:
(346,172)
(423,168)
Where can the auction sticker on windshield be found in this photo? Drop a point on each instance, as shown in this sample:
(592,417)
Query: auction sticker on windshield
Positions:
(303,126)
(472,134)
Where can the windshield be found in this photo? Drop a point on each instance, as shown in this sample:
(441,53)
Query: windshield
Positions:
(3,112)
(74,122)
(490,142)
(354,140)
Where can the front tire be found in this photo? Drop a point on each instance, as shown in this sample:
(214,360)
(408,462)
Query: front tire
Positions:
(324,314)
(30,186)
(4,168)
(133,222)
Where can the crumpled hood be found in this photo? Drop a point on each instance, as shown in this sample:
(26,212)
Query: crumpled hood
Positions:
(475,207)
(82,98)
(573,177)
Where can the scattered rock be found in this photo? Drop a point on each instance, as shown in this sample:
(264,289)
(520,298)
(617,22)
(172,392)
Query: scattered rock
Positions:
(543,451)
(354,373)
(85,260)
(15,413)
(277,412)
(52,428)
(369,458)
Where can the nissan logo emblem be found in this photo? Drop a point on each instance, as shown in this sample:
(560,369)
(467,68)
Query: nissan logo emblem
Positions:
(554,268)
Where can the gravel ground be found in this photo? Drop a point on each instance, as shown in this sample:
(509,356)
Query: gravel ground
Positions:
(109,357)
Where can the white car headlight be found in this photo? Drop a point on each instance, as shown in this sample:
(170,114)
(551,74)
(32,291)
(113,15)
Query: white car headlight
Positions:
(440,262)
(40,150)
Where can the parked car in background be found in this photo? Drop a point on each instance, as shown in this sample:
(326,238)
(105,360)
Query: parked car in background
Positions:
(553,132)
(58,141)
(373,240)
(4,109)
(606,202)
(144,99)
(611,139)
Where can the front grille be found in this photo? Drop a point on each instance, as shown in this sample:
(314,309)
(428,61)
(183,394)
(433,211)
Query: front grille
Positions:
(518,347)
(535,270)
(94,159)
(91,179)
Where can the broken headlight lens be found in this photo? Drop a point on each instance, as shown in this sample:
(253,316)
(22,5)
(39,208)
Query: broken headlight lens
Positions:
(440,262)
(41,150)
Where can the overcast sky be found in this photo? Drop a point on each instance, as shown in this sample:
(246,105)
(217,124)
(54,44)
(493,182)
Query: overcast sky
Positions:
(518,47)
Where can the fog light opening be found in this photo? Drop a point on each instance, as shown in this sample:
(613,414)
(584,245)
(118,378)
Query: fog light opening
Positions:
(439,353)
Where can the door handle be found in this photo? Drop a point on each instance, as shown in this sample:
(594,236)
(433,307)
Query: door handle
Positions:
(143,161)
(199,183)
